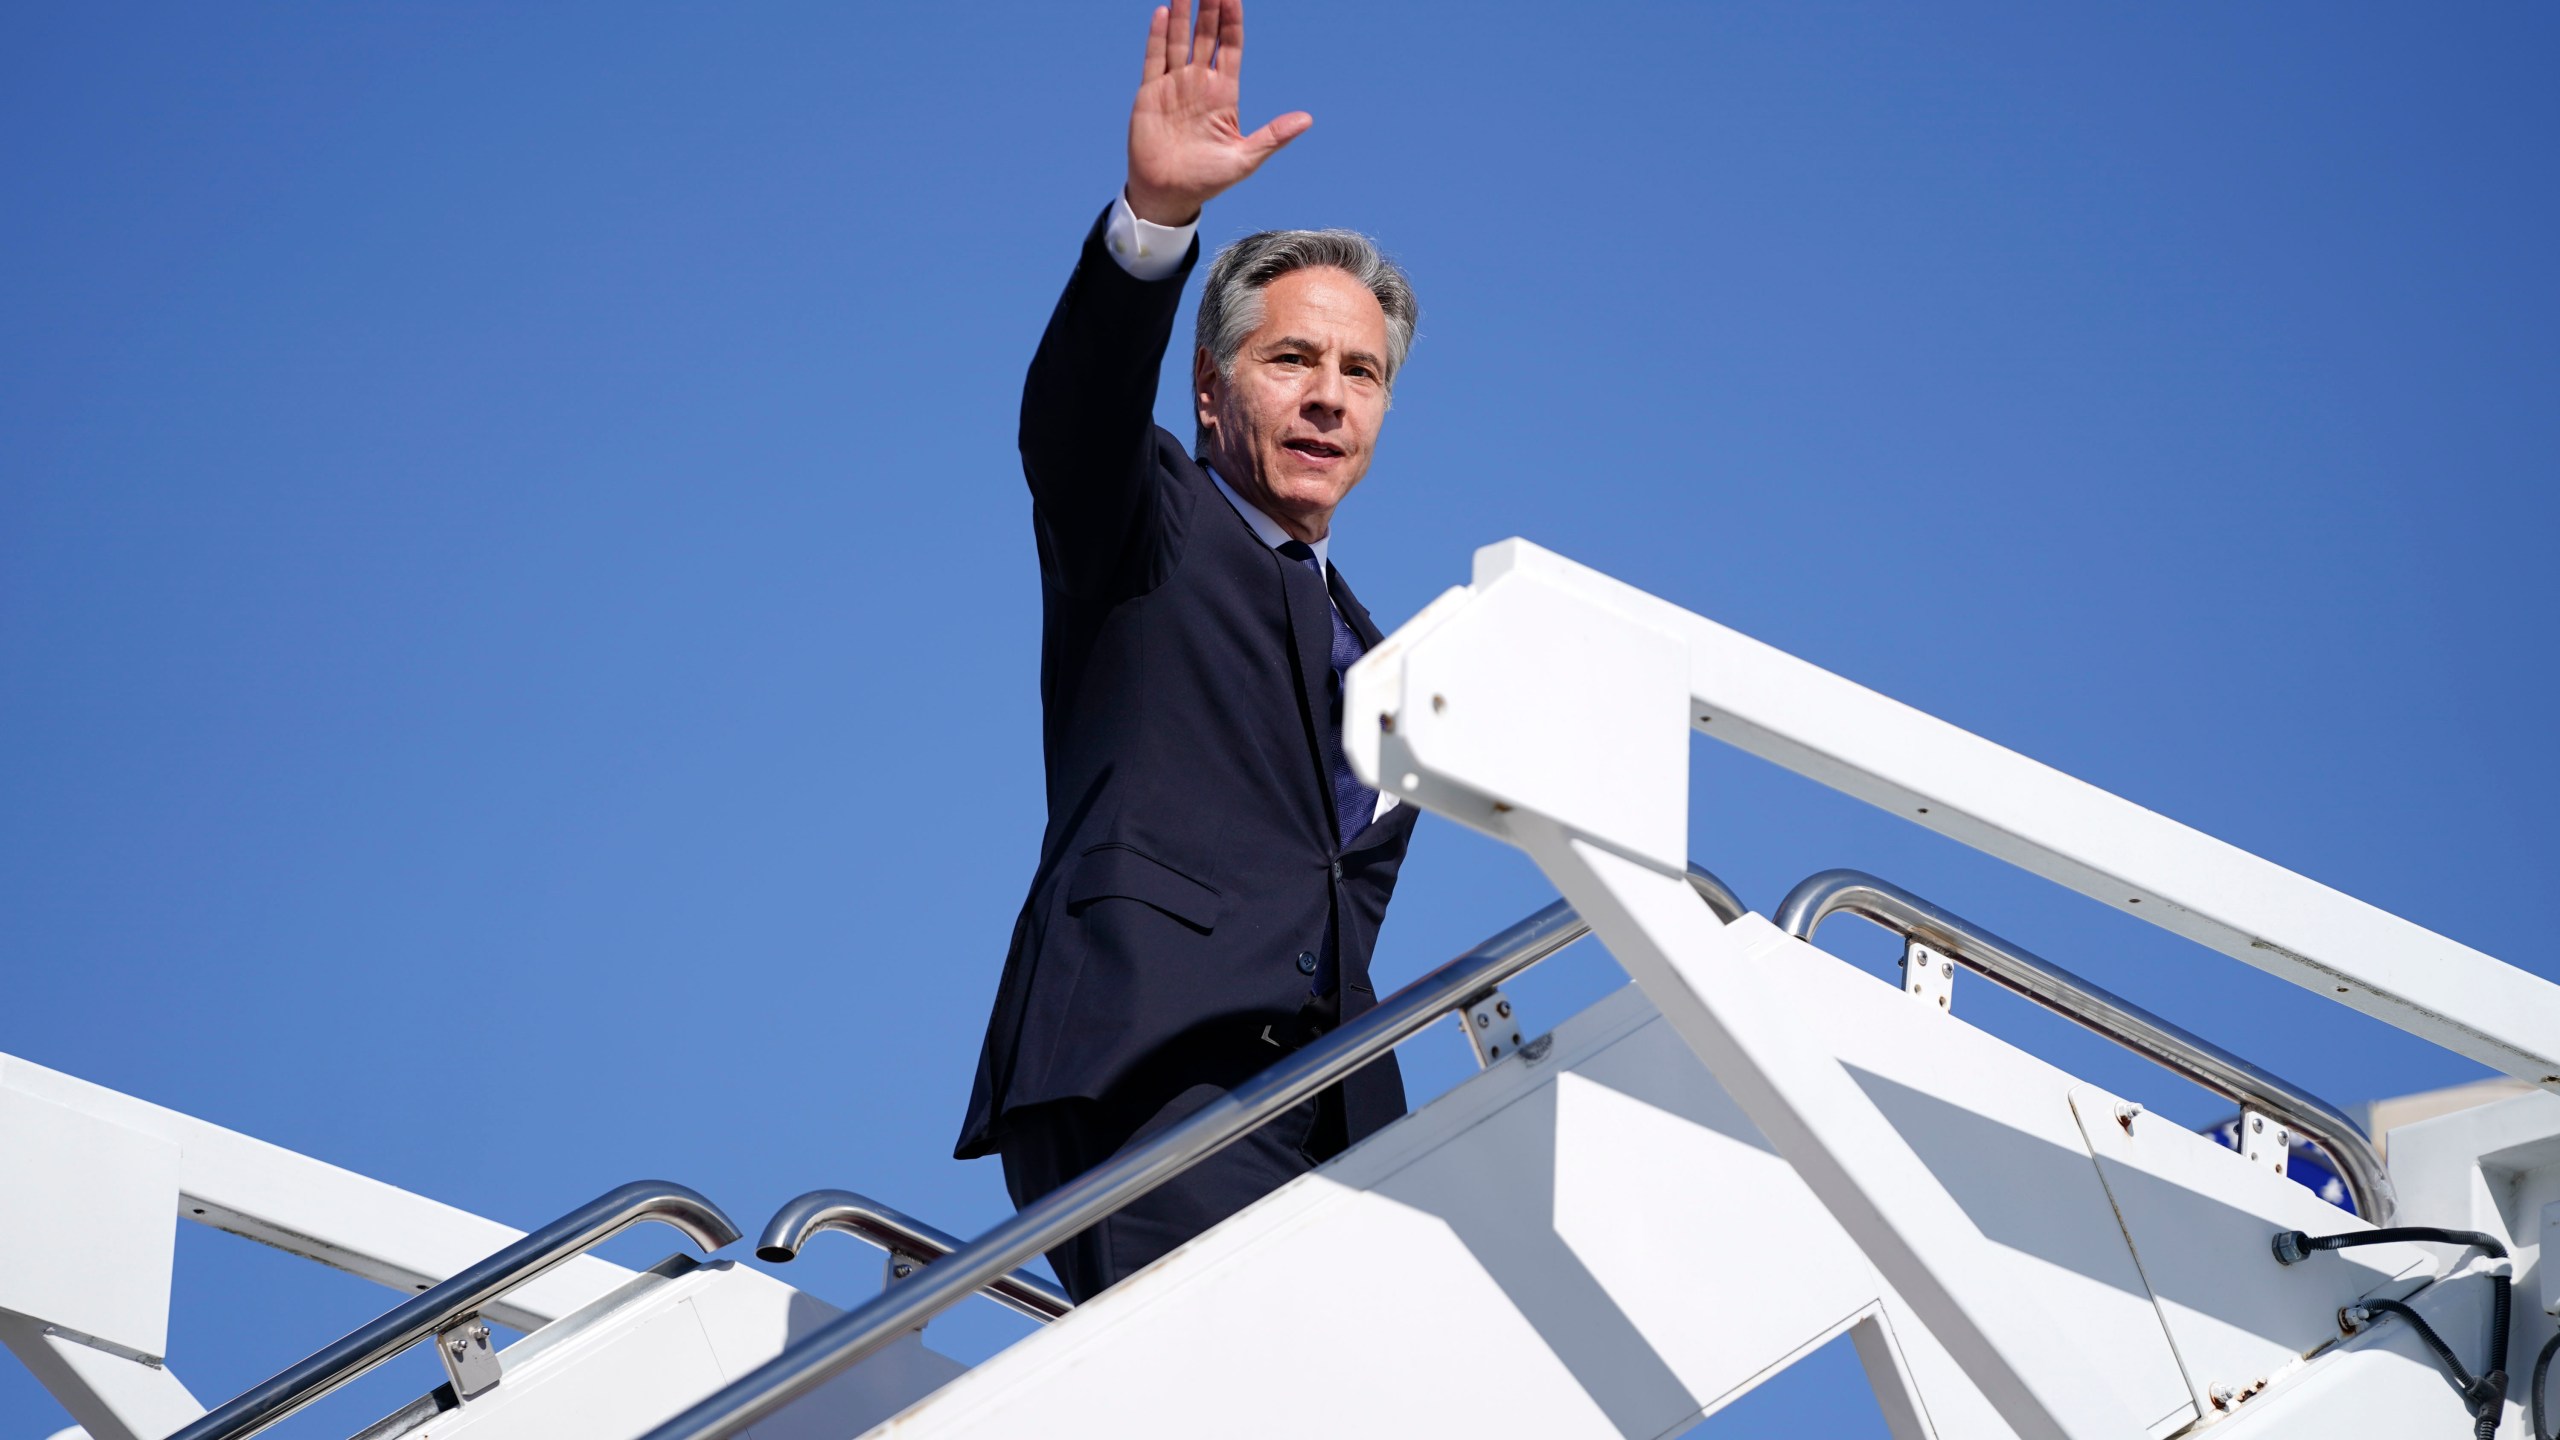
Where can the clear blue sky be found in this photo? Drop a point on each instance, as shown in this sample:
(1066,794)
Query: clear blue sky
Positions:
(517,608)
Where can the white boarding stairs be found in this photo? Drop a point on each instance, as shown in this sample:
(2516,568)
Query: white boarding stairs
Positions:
(1618,1226)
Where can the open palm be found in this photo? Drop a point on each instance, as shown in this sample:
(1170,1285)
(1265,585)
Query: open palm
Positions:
(1185,141)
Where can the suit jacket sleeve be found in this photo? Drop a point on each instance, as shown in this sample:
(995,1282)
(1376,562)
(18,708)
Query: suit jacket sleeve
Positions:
(1088,418)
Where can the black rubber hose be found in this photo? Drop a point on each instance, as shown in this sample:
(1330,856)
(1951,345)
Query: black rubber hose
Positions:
(2453,1365)
(2541,1369)
(2292,1247)
(2485,1396)
(2490,1408)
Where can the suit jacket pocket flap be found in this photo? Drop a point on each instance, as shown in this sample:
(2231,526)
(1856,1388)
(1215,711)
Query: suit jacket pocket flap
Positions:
(1119,870)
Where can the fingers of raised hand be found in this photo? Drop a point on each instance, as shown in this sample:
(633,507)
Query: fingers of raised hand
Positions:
(1230,33)
(1215,40)
(1156,28)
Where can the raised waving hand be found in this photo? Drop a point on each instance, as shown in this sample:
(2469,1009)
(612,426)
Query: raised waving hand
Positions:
(1185,143)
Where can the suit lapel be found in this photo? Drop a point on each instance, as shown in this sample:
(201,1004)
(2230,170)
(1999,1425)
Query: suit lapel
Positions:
(1356,613)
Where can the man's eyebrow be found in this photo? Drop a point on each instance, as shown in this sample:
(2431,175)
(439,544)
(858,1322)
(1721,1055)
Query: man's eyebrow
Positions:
(1300,342)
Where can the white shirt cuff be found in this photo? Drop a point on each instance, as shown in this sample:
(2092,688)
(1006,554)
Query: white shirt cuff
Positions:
(1146,250)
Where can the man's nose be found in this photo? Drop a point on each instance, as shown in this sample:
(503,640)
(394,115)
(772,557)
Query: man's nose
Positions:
(1326,391)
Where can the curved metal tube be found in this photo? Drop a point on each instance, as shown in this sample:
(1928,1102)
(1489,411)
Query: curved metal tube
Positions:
(805,1216)
(845,1340)
(1718,895)
(1883,903)
(459,1297)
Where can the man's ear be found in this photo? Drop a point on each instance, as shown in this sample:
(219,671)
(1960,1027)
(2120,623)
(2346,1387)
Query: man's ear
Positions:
(1206,384)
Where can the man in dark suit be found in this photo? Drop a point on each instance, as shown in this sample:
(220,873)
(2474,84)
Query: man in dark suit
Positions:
(1213,876)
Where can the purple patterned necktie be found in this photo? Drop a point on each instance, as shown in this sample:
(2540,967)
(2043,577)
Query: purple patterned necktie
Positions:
(1353,802)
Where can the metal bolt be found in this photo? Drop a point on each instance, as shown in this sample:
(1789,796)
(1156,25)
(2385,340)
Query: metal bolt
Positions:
(457,1347)
(1947,968)
(2125,1113)
(2257,1123)
(2222,1396)
(1503,1009)
(1439,703)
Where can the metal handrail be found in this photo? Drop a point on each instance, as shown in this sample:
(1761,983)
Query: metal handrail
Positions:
(1719,896)
(805,1216)
(1883,903)
(460,1297)
(1099,1192)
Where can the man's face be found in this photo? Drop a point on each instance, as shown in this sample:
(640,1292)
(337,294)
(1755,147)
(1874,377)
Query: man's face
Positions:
(1293,428)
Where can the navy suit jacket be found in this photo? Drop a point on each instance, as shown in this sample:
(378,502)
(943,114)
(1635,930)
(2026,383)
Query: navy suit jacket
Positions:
(1191,856)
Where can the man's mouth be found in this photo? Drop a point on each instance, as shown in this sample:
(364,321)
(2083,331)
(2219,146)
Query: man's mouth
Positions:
(1313,449)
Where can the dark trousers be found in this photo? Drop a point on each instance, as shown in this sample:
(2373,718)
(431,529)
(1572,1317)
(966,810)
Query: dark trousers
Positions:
(1045,1146)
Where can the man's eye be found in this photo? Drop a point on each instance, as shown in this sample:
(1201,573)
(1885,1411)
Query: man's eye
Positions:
(1289,359)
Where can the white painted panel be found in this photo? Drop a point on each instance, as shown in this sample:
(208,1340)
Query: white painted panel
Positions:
(2384,1385)
(1948,1405)
(2436,1165)
(88,1223)
(750,1316)
(2201,1218)
(1996,1126)
(1741,1276)
(1376,1316)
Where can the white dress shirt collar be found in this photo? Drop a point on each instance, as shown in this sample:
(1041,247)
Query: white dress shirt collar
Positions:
(1266,529)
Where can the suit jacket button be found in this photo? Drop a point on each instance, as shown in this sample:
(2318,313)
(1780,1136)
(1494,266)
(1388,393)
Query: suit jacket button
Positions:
(1306,962)
(1337,869)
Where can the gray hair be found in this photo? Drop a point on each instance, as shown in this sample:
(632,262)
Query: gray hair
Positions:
(1231,301)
